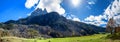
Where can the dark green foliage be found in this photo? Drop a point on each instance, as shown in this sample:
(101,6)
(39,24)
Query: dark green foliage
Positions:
(1,25)
(31,33)
(54,34)
(8,26)
(114,36)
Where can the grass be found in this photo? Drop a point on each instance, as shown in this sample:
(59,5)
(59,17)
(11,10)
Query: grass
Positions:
(91,38)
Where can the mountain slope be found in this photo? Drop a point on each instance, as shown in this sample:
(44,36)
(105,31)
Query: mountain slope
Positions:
(53,25)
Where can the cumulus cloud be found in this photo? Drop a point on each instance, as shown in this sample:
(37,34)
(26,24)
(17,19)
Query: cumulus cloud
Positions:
(76,19)
(30,3)
(71,17)
(49,5)
(113,10)
(90,18)
(96,20)
(97,23)
(117,18)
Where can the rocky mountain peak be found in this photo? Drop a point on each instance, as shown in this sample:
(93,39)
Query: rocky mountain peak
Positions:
(38,11)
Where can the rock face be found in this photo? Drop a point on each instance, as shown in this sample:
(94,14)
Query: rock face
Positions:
(53,25)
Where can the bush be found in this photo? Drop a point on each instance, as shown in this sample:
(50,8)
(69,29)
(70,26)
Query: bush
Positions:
(8,26)
(31,33)
(114,36)
(4,33)
(55,34)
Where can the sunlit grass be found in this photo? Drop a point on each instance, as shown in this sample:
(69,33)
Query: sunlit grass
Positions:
(91,38)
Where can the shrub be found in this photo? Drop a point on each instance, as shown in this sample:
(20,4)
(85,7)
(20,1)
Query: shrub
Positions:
(114,36)
(32,33)
(8,26)
(55,34)
(4,33)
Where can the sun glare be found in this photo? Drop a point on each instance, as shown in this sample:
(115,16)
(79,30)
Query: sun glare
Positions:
(75,2)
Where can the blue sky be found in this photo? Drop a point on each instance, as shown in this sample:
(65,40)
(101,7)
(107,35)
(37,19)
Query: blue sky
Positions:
(13,9)
(84,10)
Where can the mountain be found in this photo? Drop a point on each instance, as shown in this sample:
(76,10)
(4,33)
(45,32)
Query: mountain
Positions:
(50,25)
(38,12)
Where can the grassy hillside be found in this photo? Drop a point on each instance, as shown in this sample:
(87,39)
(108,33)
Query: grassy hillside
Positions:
(92,38)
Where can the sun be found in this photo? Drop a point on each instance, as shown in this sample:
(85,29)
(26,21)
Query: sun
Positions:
(75,2)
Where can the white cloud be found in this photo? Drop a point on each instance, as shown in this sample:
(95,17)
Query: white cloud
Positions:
(49,5)
(71,17)
(113,10)
(91,2)
(117,18)
(97,23)
(76,19)
(90,18)
(96,20)
(30,3)
(116,7)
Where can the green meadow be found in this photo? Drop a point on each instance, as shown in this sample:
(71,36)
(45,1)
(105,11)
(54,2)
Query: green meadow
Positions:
(91,38)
